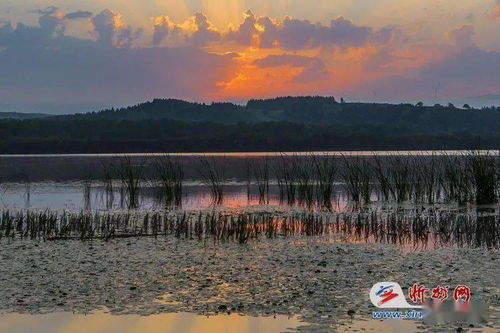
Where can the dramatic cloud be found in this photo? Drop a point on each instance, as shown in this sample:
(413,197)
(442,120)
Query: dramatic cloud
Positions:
(196,31)
(246,32)
(296,34)
(111,30)
(204,32)
(162,28)
(41,67)
(265,32)
(83,59)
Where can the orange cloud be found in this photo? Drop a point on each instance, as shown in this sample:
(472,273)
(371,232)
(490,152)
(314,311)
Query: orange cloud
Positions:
(494,14)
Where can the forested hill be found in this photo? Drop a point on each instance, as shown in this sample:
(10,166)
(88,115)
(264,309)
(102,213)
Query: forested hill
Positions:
(281,124)
(307,110)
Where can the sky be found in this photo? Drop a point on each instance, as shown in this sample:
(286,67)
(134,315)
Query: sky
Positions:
(66,56)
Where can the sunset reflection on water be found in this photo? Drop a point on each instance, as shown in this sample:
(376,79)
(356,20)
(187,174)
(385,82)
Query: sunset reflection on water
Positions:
(167,323)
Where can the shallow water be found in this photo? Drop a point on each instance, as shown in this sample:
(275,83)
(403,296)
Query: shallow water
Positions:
(70,196)
(310,285)
(100,322)
(272,275)
(73,167)
(400,326)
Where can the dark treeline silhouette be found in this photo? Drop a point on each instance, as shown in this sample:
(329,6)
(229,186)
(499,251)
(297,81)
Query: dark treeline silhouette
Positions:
(283,124)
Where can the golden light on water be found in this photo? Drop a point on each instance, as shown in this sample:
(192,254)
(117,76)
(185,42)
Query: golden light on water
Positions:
(166,323)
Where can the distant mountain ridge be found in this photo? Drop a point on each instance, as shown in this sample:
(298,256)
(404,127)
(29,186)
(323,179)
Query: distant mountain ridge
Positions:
(21,116)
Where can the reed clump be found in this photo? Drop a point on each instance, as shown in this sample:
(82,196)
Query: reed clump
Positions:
(286,173)
(88,180)
(131,177)
(107,177)
(357,176)
(484,173)
(413,227)
(170,174)
(261,172)
(456,180)
(213,176)
(305,179)
(326,169)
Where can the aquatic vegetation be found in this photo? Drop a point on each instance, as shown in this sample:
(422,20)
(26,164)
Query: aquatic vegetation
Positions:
(399,170)
(356,175)
(426,179)
(326,168)
(212,175)
(484,173)
(261,174)
(131,177)
(309,180)
(408,227)
(87,182)
(456,180)
(107,175)
(305,178)
(286,173)
(170,173)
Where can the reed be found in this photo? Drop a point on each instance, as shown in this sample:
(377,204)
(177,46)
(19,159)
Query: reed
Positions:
(304,174)
(27,192)
(286,172)
(326,168)
(131,177)
(413,227)
(357,179)
(456,180)
(380,173)
(484,173)
(88,180)
(428,174)
(170,173)
(213,176)
(248,174)
(399,171)
(107,176)
(261,174)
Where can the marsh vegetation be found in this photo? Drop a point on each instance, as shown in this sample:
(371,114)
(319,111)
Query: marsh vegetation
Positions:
(414,198)
(415,227)
(269,234)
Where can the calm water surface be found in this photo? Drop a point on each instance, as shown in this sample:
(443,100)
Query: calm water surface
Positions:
(165,323)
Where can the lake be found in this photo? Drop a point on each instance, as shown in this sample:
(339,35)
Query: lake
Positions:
(241,241)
